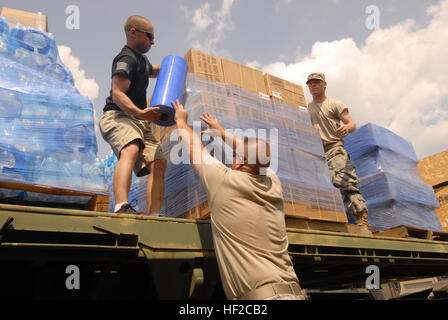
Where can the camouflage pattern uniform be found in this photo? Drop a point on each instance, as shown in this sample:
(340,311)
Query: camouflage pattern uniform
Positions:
(325,116)
(344,178)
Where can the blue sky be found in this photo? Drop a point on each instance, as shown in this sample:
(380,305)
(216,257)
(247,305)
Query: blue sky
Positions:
(394,76)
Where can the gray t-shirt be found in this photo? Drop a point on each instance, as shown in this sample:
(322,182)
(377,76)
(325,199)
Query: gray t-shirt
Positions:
(248,225)
(324,116)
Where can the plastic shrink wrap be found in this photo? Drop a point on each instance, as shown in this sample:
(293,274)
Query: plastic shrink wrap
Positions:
(300,164)
(389,180)
(46,126)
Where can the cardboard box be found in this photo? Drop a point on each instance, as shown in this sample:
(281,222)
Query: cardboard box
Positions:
(27,19)
(282,90)
(243,77)
(442,213)
(434,169)
(316,213)
(202,212)
(205,64)
(226,71)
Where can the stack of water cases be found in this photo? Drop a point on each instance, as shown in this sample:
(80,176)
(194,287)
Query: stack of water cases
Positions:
(298,155)
(390,181)
(46,126)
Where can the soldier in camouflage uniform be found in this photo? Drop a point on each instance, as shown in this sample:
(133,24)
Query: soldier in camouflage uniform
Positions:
(326,115)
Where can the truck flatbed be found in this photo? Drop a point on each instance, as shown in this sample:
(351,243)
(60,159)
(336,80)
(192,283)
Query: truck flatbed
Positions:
(129,256)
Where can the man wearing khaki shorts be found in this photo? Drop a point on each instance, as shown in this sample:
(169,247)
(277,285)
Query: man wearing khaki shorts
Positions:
(126,119)
(326,115)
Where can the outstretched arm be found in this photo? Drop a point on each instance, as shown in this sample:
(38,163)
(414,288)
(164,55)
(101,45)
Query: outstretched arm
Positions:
(191,140)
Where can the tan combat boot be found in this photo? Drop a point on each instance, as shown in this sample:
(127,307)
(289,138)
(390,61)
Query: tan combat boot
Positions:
(363,223)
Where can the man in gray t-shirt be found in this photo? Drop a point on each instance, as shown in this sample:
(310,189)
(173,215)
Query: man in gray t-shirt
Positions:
(247,216)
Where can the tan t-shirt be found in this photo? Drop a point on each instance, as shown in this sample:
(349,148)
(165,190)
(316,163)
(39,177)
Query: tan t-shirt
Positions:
(324,116)
(248,226)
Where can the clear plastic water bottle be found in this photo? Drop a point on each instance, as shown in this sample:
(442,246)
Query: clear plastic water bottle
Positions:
(96,179)
(78,138)
(59,72)
(32,47)
(7,159)
(84,110)
(4,37)
(48,172)
(75,169)
(13,163)
(10,104)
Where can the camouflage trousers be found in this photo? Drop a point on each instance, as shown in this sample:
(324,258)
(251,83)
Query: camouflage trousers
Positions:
(344,178)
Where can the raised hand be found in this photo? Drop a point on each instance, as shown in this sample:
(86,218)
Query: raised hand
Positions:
(181,114)
(211,121)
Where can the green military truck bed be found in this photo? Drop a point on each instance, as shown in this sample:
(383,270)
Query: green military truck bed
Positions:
(70,254)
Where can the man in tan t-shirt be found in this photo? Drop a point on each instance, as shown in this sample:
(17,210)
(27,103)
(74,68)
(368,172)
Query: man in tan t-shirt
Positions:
(247,217)
(326,115)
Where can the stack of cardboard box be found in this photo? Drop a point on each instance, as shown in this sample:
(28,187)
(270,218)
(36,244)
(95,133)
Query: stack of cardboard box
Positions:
(285,91)
(241,98)
(434,171)
(204,64)
(223,70)
(265,100)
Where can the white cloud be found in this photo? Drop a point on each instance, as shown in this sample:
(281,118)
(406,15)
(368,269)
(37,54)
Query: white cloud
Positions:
(398,79)
(86,86)
(201,18)
(209,27)
(281,4)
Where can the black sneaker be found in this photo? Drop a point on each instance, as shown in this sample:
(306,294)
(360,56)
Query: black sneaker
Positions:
(126,208)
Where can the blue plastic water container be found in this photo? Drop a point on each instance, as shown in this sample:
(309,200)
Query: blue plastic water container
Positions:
(170,86)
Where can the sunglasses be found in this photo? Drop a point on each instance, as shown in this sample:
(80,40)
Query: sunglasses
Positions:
(148,34)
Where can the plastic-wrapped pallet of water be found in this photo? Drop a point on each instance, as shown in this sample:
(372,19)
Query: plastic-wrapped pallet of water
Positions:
(46,126)
(300,162)
(389,180)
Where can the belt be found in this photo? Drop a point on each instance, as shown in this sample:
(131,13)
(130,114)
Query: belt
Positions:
(272,289)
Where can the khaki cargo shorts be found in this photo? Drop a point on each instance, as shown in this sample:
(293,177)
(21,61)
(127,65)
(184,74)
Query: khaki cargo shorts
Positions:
(119,129)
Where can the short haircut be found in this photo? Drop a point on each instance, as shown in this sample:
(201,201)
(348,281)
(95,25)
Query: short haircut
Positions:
(137,22)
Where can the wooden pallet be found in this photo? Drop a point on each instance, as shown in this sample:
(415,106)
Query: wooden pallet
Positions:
(202,212)
(97,202)
(314,224)
(413,232)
